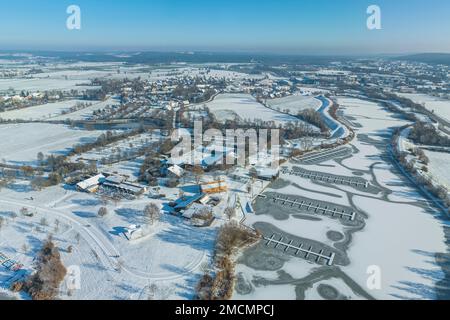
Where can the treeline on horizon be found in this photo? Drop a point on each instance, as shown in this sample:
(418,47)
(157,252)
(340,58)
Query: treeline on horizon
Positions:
(154,57)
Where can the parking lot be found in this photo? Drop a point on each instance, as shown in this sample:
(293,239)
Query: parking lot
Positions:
(324,156)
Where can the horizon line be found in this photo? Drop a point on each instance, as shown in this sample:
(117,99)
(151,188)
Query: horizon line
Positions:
(231,52)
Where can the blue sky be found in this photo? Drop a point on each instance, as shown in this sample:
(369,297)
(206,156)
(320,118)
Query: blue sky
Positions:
(284,26)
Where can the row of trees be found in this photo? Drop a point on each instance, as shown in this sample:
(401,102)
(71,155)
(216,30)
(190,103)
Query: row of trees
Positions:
(421,179)
(105,139)
(59,167)
(313,117)
(290,130)
(76,107)
(424,133)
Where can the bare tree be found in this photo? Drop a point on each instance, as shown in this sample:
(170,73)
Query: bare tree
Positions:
(57,223)
(50,272)
(43,222)
(24,211)
(104,199)
(151,213)
(77,238)
(116,200)
(103,211)
(205,267)
(250,188)
(198,173)
(230,212)
(119,266)
(40,157)
(152,291)
(205,214)
(3,183)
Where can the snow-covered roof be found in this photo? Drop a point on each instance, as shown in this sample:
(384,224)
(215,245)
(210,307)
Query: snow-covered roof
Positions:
(267,172)
(194,209)
(186,201)
(115,179)
(176,170)
(126,186)
(89,183)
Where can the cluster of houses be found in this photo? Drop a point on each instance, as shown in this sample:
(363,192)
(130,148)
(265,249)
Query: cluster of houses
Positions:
(29,96)
(160,92)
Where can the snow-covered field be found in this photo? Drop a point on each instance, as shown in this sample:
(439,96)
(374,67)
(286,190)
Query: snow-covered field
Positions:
(439,166)
(35,84)
(440,106)
(86,113)
(396,231)
(111,267)
(82,75)
(245,107)
(20,143)
(295,103)
(42,112)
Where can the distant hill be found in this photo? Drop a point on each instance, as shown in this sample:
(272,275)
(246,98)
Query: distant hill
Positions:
(433,58)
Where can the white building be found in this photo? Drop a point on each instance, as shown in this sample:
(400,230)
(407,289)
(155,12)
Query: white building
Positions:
(91,185)
(176,170)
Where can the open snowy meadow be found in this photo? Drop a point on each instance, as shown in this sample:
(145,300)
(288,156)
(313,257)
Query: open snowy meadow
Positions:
(437,105)
(294,103)
(20,143)
(239,106)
